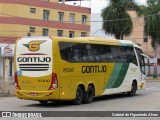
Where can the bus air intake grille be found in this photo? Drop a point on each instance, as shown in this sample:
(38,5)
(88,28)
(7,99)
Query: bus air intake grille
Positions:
(34,67)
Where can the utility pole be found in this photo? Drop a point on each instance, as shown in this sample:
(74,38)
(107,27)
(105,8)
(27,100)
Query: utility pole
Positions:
(155,59)
(5,87)
(4,60)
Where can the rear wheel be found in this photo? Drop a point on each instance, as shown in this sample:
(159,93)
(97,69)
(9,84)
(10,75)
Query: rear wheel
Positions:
(88,96)
(133,89)
(79,96)
(43,101)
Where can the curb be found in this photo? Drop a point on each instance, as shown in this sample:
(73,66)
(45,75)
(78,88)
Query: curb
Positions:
(6,95)
(152,80)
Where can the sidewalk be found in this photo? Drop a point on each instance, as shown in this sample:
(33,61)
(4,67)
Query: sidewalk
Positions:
(6,95)
(7,87)
(151,79)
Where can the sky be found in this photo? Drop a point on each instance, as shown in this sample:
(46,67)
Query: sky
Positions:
(98,5)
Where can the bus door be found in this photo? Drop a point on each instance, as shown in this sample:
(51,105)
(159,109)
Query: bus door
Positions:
(141,82)
(147,64)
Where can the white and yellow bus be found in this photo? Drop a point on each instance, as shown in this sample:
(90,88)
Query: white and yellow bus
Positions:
(77,69)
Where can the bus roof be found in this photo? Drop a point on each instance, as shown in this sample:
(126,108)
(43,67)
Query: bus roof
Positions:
(104,40)
(88,40)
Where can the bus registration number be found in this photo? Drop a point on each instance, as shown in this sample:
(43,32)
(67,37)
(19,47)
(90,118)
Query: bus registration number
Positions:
(68,69)
(33,94)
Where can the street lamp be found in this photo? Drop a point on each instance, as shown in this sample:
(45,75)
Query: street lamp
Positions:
(96,32)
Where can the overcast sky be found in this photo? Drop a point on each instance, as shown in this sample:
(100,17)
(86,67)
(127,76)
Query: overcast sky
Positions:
(98,5)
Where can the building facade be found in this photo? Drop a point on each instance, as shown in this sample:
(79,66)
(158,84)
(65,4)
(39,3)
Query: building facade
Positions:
(42,18)
(20,18)
(138,35)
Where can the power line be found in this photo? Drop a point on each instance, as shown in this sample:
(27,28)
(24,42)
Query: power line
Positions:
(86,21)
(3,31)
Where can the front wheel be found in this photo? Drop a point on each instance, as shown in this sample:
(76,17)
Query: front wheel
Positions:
(79,96)
(133,89)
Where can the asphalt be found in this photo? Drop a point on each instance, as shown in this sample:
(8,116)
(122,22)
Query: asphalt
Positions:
(11,83)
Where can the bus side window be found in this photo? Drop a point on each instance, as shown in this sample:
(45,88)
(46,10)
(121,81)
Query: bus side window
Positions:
(130,55)
(141,60)
(75,55)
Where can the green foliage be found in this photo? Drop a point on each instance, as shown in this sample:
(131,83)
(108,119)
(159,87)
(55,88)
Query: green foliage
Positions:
(116,20)
(151,27)
(152,20)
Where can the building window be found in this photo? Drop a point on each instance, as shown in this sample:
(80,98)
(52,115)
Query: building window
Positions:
(60,33)
(45,32)
(45,14)
(72,18)
(83,34)
(60,16)
(84,19)
(32,29)
(71,34)
(32,10)
(145,39)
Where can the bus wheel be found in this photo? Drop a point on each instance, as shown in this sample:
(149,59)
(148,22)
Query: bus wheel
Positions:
(88,96)
(43,101)
(79,96)
(133,89)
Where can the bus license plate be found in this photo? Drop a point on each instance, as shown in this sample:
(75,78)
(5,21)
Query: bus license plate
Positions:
(33,94)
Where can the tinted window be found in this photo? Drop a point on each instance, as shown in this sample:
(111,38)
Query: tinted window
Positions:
(81,52)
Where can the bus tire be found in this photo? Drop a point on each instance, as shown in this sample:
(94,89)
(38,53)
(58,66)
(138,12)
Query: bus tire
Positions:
(88,96)
(43,101)
(79,96)
(133,89)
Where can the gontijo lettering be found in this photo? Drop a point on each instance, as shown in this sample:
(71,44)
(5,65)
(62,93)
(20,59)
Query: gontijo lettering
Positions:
(34,59)
(94,69)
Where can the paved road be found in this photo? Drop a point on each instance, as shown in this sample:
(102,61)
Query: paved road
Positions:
(147,100)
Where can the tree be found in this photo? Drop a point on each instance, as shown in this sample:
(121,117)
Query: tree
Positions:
(151,27)
(116,20)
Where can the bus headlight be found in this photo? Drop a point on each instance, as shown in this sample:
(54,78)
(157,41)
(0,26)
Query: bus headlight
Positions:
(141,85)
